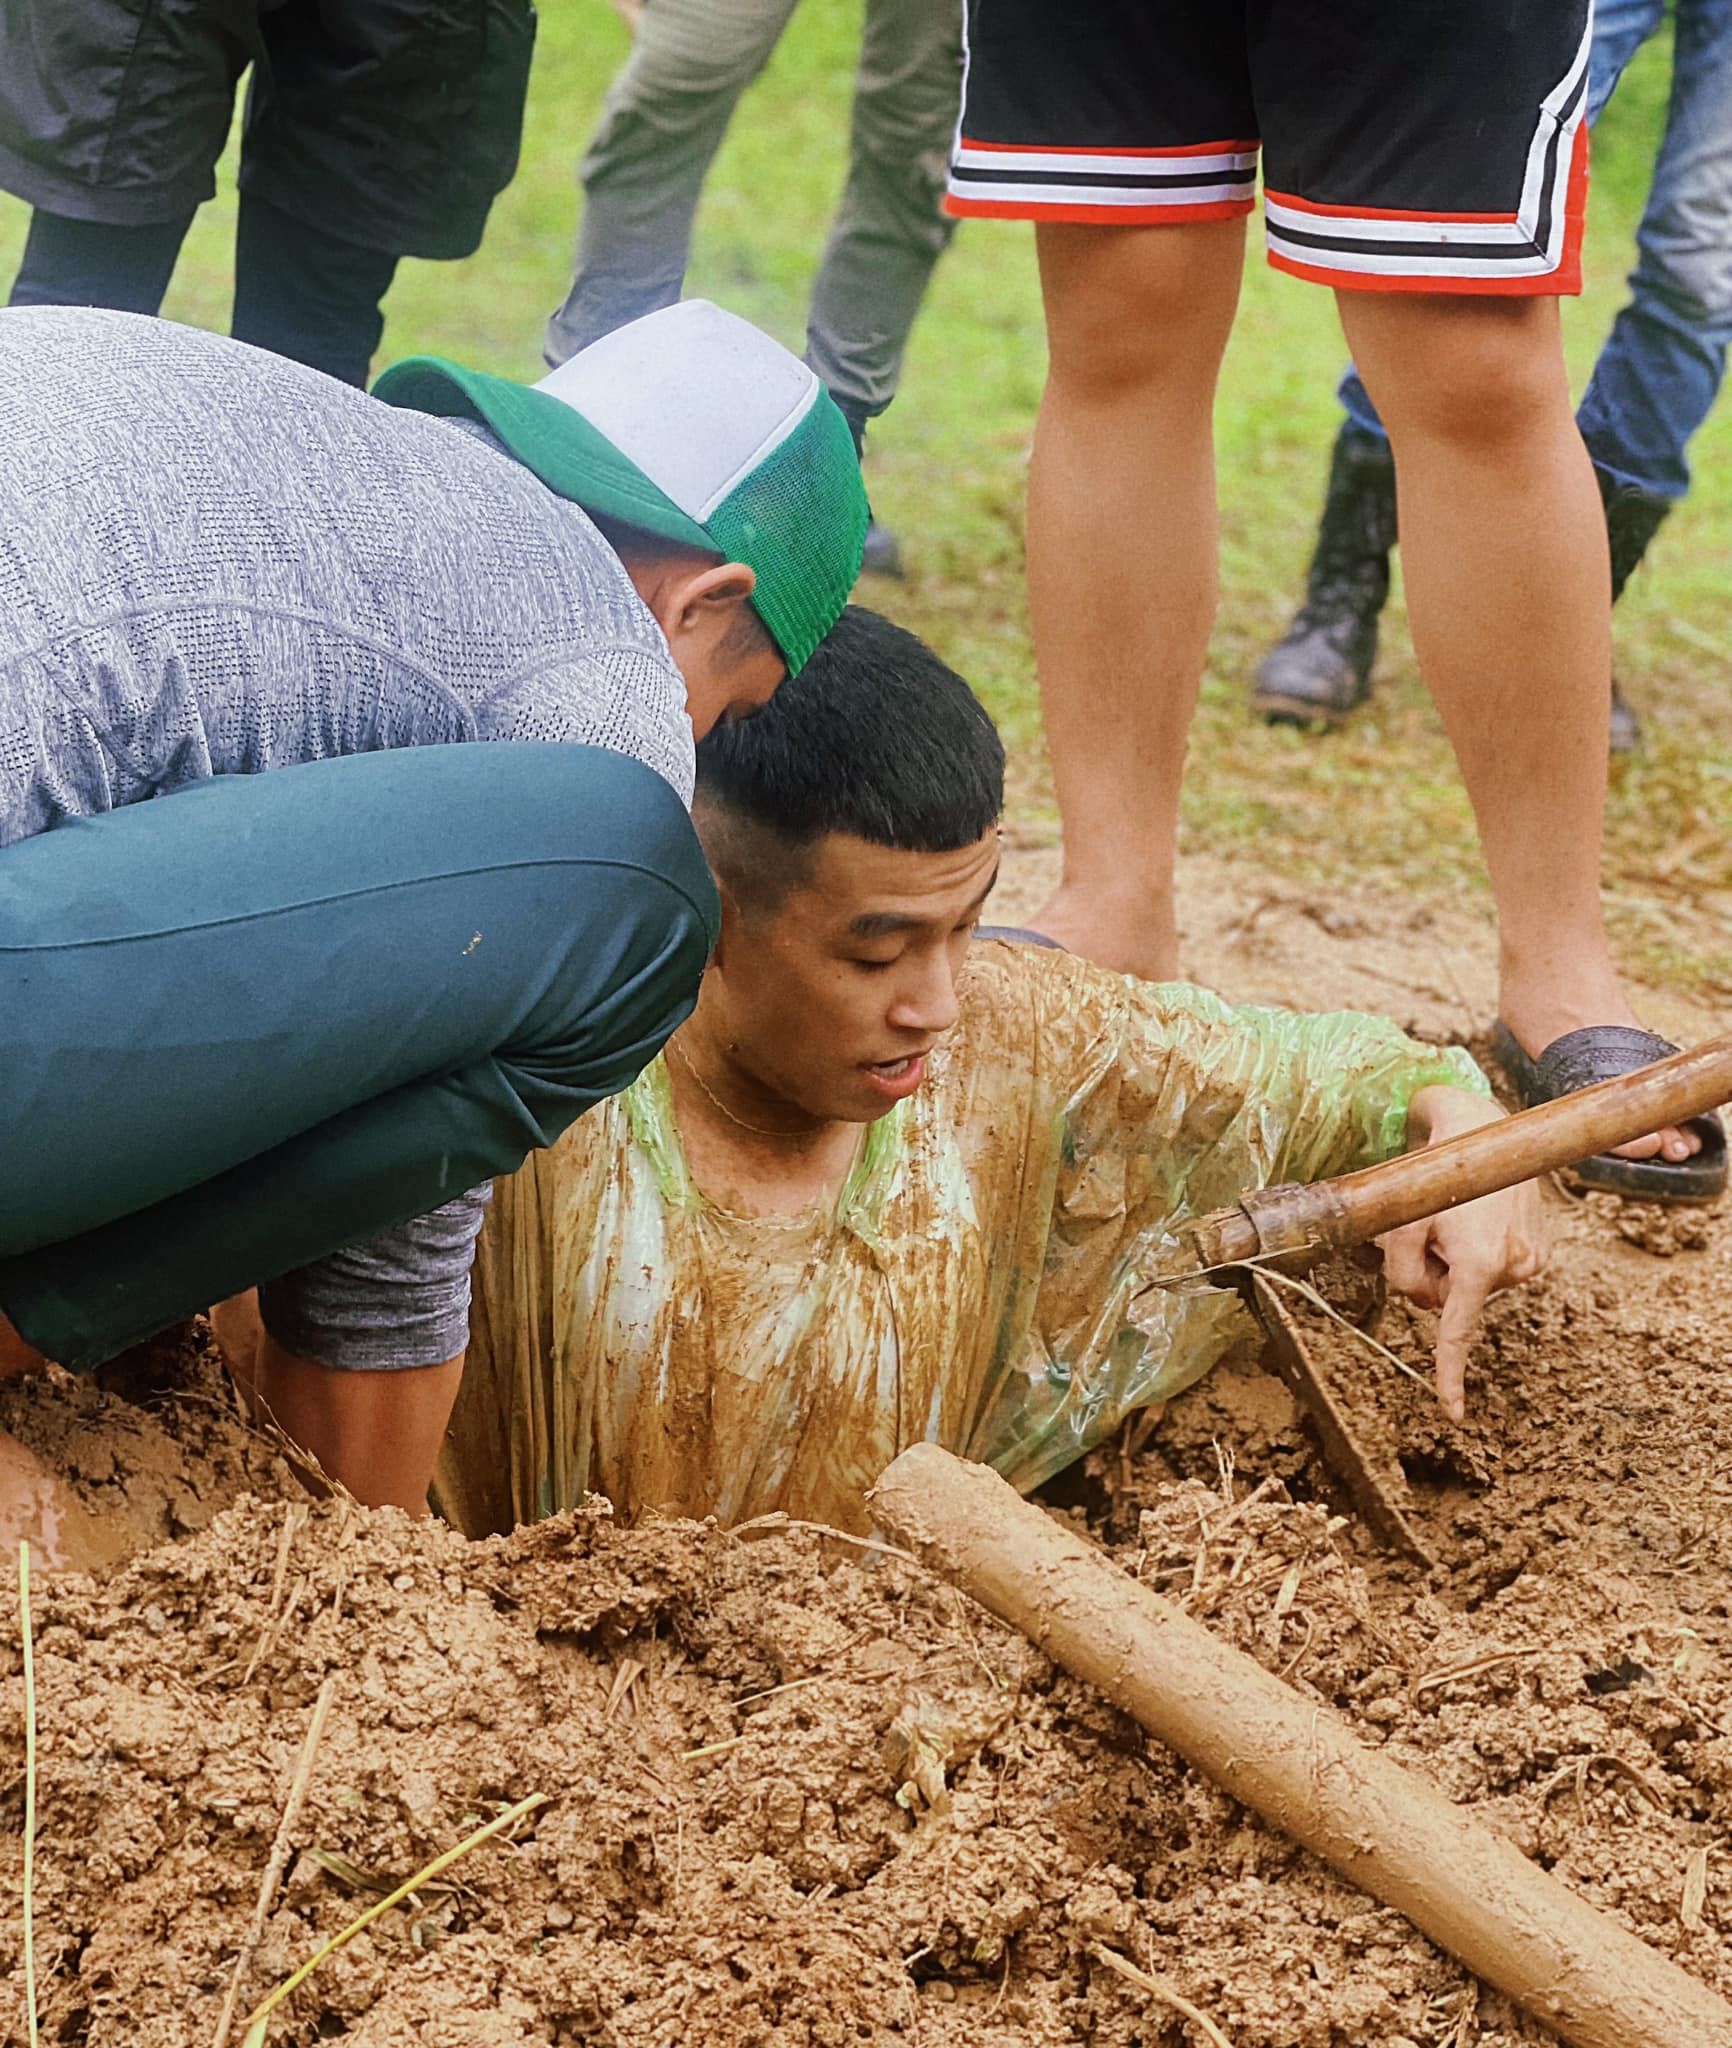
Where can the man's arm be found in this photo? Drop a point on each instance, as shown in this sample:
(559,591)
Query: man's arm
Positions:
(1252,1095)
(1346,1090)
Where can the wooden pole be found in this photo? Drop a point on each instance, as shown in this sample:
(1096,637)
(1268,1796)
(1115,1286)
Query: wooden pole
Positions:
(1360,1206)
(1293,1761)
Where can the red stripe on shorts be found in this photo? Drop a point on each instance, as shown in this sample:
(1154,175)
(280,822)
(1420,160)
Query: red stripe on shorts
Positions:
(1382,212)
(1093,149)
(1547,284)
(1563,281)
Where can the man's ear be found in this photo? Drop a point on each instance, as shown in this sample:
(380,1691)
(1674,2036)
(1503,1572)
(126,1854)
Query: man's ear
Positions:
(692,602)
(712,593)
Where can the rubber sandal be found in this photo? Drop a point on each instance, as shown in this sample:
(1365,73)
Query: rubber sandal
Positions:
(1601,1052)
(1016,935)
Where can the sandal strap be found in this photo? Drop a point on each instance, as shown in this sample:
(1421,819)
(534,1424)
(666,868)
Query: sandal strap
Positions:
(1598,1052)
(1605,1052)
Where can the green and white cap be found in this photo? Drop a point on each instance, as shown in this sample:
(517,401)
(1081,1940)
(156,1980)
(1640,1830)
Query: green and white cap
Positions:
(692,424)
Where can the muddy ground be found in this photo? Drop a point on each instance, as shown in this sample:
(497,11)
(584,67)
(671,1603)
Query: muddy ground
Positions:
(802,1795)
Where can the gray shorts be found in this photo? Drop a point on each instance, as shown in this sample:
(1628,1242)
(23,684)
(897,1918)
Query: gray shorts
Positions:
(400,1300)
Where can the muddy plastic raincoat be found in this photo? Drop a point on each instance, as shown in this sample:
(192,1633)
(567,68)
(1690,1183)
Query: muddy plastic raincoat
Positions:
(975,1282)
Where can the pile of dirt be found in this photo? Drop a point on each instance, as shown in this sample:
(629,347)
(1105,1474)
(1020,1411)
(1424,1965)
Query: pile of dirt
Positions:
(800,1794)
(805,1794)
(1594,1473)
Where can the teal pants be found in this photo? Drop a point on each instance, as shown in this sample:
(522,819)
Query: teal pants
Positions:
(265,1017)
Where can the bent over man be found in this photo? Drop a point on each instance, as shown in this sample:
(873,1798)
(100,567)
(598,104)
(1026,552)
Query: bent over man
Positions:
(348,965)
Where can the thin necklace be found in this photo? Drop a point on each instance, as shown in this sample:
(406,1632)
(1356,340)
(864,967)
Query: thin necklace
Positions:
(757,1130)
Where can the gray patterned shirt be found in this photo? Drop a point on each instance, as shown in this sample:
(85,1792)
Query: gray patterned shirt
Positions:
(213,562)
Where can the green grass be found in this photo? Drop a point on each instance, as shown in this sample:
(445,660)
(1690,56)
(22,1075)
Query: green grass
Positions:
(1383,800)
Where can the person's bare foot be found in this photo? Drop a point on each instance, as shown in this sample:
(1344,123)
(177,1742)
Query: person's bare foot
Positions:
(1541,1019)
(1131,933)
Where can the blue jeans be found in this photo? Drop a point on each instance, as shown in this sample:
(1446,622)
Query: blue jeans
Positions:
(1661,368)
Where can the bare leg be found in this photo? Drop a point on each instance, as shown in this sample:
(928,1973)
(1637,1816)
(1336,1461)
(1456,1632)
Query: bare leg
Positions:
(1504,546)
(1121,560)
(239,1331)
(378,1434)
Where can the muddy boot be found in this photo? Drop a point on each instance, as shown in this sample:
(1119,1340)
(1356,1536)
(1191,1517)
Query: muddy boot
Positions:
(1321,669)
(883,556)
(1633,517)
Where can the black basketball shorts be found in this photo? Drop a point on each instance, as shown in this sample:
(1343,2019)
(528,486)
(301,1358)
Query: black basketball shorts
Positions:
(1435,145)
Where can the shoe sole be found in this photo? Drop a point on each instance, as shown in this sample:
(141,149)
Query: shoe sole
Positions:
(1279,710)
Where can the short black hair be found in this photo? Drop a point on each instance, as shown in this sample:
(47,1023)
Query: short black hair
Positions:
(875,737)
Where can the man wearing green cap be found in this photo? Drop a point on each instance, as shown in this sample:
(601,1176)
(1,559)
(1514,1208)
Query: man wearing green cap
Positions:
(270,1032)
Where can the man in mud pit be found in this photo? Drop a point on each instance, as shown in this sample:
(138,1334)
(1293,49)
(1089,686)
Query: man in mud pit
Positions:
(895,1179)
(352,967)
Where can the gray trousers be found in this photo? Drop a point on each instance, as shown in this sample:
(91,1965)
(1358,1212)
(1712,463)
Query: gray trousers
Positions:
(664,120)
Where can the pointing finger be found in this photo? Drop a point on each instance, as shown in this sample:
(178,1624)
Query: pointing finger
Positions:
(1464,1298)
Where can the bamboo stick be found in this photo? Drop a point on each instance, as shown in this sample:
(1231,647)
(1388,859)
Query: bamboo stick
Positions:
(1360,1206)
(1296,1763)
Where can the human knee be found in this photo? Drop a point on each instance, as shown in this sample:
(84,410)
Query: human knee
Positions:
(646,133)
(1136,313)
(679,82)
(1686,269)
(1471,372)
(623,961)
(903,148)
(560,803)
(612,997)
(906,115)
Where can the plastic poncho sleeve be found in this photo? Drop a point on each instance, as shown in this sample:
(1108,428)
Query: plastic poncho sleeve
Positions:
(1177,1102)
(1274,1094)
